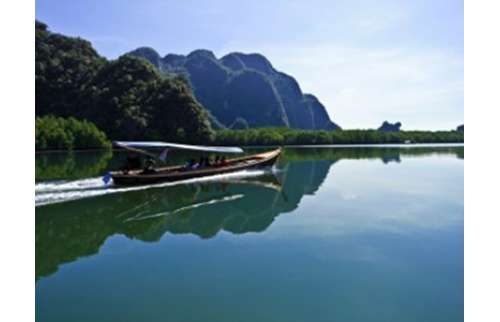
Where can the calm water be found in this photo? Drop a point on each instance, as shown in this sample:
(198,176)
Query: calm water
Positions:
(330,234)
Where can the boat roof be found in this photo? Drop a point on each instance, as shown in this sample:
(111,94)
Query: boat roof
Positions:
(165,145)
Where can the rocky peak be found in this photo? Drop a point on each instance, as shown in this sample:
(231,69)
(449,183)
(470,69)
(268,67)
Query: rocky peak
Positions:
(255,61)
(148,53)
(201,53)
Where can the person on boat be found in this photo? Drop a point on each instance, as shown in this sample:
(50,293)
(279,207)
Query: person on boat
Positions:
(217,160)
(190,163)
(223,161)
(149,167)
(133,162)
(201,162)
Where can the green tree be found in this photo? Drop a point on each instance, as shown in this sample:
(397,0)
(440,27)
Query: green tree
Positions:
(68,133)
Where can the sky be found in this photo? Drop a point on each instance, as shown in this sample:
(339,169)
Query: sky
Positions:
(366,60)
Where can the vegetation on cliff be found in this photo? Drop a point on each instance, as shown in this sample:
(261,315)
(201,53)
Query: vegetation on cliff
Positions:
(126,98)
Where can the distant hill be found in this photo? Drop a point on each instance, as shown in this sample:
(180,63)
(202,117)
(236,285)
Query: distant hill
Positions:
(388,127)
(243,90)
(460,128)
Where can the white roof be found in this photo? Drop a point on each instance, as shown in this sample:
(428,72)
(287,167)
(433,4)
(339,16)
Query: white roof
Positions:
(158,144)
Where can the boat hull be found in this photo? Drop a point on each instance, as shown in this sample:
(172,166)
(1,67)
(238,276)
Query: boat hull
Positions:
(178,173)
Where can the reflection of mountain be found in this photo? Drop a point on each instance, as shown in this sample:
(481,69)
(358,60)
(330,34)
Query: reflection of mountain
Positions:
(67,231)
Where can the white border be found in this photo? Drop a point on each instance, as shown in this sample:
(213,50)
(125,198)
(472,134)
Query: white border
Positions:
(17,129)
(17,230)
(482,165)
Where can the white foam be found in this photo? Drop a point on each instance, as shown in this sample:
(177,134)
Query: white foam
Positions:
(62,191)
(89,183)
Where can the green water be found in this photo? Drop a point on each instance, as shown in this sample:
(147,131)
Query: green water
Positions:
(332,234)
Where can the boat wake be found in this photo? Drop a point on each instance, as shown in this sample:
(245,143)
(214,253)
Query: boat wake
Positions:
(193,206)
(62,191)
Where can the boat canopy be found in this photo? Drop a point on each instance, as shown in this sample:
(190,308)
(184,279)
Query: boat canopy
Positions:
(167,145)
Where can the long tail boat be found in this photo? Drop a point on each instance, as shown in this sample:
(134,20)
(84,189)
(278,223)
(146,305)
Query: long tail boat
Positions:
(183,172)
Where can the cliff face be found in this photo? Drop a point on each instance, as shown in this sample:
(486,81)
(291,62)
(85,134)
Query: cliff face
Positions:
(244,87)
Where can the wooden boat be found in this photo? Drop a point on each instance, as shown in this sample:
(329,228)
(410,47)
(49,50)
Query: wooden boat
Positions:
(176,173)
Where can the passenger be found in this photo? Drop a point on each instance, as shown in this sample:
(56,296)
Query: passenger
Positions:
(149,167)
(217,160)
(133,162)
(223,161)
(188,165)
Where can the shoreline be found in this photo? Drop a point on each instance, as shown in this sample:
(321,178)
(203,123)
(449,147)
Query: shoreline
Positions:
(305,146)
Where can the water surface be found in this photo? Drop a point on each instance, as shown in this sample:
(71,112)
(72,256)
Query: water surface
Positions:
(330,234)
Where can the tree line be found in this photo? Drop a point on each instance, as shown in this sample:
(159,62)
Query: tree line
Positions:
(287,136)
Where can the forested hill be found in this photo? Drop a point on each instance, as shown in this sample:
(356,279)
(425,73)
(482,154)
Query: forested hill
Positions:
(127,98)
(244,90)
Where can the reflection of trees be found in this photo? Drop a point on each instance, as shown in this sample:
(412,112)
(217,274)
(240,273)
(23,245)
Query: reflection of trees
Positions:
(386,154)
(67,231)
(51,166)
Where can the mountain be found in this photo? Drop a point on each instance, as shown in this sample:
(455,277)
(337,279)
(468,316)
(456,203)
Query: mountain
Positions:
(388,127)
(127,98)
(243,90)
(460,128)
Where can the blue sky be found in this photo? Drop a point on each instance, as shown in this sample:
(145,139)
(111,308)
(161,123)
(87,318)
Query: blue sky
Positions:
(367,61)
